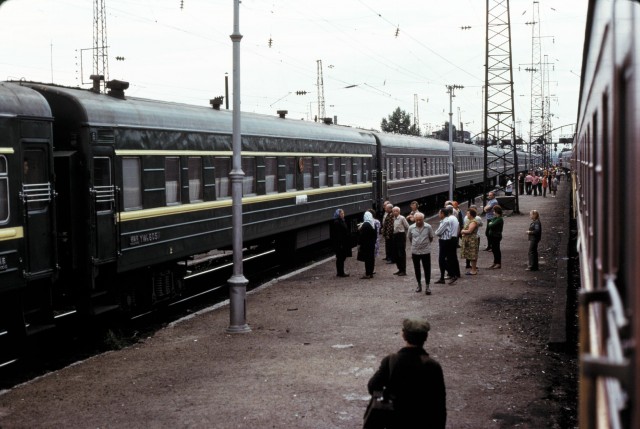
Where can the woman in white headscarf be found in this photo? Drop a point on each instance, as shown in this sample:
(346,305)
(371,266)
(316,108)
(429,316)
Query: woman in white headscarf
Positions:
(367,244)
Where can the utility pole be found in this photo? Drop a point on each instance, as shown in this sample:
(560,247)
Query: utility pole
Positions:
(321,111)
(451,89)
(100,54)
(416,120)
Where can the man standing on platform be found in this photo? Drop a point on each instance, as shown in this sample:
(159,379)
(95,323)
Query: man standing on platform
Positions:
(387,232)
(420,237)
(400,228)
(488,209)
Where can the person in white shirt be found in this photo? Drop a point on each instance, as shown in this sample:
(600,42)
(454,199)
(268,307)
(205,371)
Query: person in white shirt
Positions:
(420,237)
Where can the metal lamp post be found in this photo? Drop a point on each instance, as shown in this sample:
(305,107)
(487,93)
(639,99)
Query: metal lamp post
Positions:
(237,282)
(450,90)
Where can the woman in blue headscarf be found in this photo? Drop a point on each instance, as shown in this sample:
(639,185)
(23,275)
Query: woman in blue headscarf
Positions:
(340,241)
(367,237)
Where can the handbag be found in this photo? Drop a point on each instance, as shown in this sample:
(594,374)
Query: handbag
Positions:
(379,413)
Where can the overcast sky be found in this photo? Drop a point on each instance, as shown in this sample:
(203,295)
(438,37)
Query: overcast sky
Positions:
(376,54)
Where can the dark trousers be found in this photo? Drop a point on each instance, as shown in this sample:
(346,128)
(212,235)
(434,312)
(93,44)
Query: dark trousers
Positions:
(453,266)
(388,246)
(340,264)
(533,254)
(442,257)
(400,254)
(426,264)
(369,264)
(528,185)
(486,234)
(495,248)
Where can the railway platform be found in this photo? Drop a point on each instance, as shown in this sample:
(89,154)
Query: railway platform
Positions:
(316,339)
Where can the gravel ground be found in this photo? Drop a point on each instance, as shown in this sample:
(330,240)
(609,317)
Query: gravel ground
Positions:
(315,341)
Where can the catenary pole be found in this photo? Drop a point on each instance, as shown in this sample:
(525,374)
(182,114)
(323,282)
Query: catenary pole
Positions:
(237,282)
(450,90)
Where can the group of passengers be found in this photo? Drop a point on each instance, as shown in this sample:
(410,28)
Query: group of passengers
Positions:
(455,231)
(537,182)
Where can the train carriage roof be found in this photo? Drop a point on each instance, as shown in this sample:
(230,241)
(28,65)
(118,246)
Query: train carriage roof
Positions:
(16,100)
(104,110)
(398,141)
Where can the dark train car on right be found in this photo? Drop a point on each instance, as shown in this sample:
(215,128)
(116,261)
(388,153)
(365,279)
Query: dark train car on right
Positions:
(605,170)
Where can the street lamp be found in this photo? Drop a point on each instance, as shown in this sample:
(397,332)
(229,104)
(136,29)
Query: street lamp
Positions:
(451,89)
(237,282)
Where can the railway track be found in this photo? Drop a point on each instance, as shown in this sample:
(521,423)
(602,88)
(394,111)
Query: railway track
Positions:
(69,342)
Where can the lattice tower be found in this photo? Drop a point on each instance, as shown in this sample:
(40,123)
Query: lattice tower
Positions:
(537,115)
(321,111)
(500,155)
(100,53)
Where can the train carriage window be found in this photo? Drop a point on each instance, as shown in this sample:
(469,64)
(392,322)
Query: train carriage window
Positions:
(131,183)
(400,168)
(412,163)
(365,170)
(195,179)
(307,172)
(322,172)
(390,169)
(222,168)
(347,171)
(172,180)
(270,174)
(249,179)
(4,190)
(357,165)
(102,183)
(290,175)
(336,172)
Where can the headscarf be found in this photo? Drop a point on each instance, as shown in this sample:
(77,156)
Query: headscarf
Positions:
(368,218)
(336,214)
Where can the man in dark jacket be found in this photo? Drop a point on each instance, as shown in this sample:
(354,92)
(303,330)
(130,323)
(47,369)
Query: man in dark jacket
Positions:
(413,381)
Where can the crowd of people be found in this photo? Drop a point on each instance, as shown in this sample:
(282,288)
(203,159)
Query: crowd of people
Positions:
(410,377)
(458,235)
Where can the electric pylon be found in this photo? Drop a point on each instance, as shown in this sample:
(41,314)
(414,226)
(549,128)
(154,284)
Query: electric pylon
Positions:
(500,154)
(100,54)
(537,115)
(321,112)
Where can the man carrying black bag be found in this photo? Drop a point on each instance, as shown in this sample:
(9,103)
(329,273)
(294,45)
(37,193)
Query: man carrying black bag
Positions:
(413,382)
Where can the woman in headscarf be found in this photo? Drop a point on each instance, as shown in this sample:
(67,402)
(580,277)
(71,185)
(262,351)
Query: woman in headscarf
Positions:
(340,241)
(367,244)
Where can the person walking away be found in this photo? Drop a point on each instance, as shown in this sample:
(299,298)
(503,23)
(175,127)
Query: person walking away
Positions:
(367,245)
(400,228)
(444,234)
(413,380)
(378,227)
(471,242)
(420,237)
(488,209)
(387,232)
(494,230)
(535,234)
(340,241)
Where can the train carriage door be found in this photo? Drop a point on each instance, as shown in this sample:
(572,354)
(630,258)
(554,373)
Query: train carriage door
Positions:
(37,199)
(103,210)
